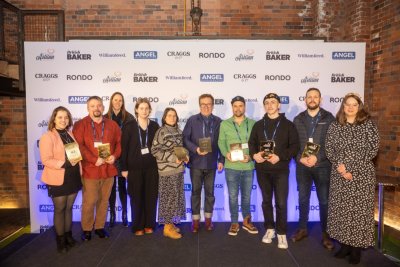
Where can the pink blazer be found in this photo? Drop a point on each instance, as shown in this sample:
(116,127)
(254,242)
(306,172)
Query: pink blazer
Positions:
(52,154)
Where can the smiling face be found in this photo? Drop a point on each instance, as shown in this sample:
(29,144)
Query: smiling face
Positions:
(117,103)
(95,108)
(206,106)
(350,107)
(238,109)
(61,120)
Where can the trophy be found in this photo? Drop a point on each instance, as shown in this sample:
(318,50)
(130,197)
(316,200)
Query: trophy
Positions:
(267,147)
(73,152)
(104,150)
(236,152)
(310,149)
(181,153)
(205,144)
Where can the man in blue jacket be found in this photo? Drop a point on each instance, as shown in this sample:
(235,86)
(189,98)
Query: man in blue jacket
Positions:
(201,139)
(312,125)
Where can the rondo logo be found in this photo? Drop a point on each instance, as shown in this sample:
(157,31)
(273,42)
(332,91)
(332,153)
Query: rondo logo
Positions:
(145,54)
(78,99)
(209,77)
(343,55)
(46,208)
(211,55)
(79,77)
(151,99)
(281,77)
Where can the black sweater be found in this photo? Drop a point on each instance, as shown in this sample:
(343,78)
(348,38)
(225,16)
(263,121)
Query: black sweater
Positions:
(286,141)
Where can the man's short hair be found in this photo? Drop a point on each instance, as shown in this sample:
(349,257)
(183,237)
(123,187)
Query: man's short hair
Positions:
(206,96)
(314,89)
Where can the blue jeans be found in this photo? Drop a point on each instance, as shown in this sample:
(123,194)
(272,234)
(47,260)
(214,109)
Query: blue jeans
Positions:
(305,177)
(198,178)
(239,179)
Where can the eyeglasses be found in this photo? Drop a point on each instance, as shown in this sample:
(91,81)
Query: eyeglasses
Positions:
(206,105)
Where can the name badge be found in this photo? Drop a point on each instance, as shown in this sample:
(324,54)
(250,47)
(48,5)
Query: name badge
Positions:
(245,145)
(145,151)
(311,140)
(96,144)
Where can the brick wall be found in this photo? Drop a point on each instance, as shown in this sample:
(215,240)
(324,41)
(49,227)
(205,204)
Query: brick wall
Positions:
(375,22)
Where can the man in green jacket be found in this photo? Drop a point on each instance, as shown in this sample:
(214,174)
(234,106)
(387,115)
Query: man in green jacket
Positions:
(233,143)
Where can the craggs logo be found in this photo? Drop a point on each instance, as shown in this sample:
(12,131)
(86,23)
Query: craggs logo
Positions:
(246,56)
(178,54)
(48,55)
(279,77)
(211,55)
(244,77)
(340,78)
(344,55)
(179,101)
(79,77)
(76,55)
(149,98)
(143,78)
(216,77)
(115,78)
(46,76)
(313,78)
(145,54)
(274,55)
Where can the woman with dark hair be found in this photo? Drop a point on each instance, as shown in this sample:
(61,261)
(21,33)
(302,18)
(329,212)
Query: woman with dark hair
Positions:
(140,168)
(171,207)
(117,112)
(62,176)
(352,142)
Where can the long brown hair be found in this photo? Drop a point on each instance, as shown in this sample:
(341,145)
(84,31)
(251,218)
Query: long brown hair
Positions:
(168,109)
(362,114)
(52,125)
(110,107)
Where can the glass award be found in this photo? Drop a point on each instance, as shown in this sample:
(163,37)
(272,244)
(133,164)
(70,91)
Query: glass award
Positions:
(267,147)
(310,149)
(104,150)
(73,152)
(236,152)
(205,144)
(181,153)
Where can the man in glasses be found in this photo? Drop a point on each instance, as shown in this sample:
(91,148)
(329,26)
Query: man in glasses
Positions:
(201,139)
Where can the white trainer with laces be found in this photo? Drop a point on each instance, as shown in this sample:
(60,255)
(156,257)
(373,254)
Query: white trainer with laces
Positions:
(267,238)
(282,242)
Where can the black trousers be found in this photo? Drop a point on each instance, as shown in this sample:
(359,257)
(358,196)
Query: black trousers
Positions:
(143,192)
(121,193)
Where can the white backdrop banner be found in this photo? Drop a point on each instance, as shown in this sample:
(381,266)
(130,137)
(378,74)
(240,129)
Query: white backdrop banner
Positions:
(174,73)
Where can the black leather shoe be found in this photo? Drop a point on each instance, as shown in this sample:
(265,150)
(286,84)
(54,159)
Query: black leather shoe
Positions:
(101,233)
(355,255)
(112,219)
(125,219)
(343,251)
(86,235)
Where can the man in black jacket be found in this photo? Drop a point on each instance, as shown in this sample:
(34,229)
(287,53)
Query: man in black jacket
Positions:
(273,142)
(312,125)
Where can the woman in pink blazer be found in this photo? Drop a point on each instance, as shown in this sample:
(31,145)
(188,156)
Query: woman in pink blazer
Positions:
(62,176)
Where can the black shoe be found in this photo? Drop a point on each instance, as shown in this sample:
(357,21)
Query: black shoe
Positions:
(61,246)
(86,235)
(69,240)
(112,219)
(124,219)
(355,255)
(101,233)
(343,251)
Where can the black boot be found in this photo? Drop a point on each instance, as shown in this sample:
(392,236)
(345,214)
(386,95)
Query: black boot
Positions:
(343,251)
(355,255)
(69,240)
(125,218)
(112,218)
(61,247)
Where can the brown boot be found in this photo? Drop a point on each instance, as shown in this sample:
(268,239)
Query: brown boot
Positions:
(326,241)
(195,226)
(208,224)
(170,232)
(299,235)
(248,225)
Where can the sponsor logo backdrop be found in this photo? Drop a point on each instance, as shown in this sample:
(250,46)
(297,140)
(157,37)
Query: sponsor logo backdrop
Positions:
(174,73)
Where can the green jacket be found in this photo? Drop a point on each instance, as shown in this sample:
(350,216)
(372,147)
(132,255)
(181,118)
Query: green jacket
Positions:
(228,135)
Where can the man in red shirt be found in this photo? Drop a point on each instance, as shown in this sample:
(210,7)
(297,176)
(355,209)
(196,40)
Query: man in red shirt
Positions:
(99,141)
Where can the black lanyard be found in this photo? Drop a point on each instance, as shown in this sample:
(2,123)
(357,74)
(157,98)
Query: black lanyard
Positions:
(95,132)
(237,131)
(273,135)
(140,135)
(315,124)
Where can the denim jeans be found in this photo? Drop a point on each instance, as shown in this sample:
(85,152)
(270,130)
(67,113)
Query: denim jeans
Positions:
(274,183)
(305,177)
(236,179)
(198,178)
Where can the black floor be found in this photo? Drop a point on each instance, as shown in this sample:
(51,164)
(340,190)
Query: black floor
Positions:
(202,249)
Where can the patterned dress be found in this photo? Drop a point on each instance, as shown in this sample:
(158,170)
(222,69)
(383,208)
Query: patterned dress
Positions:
(351,203)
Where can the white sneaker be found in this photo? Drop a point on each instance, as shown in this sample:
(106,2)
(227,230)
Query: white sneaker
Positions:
(267,238)
(282,242)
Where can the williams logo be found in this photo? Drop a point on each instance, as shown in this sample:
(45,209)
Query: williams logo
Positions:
(144,78)
(79,77)
(76,55)
(46,56)
(78,99)
(151,99)
(46,208)
(216,77)
(284,99)
(40,166)
(145,54)
(343,55)
(310,55)
(41,99)
(46,76)
(340,78)
(178,54)
(179,101)
(112,55)
(313,78)
(248,56)
(180,78)
(115,78)
(281,77)
(244,77)
(275,55)
(211,55)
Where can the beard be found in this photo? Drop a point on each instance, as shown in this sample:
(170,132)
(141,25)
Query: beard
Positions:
(97,114)
(238,114)
(312,107)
